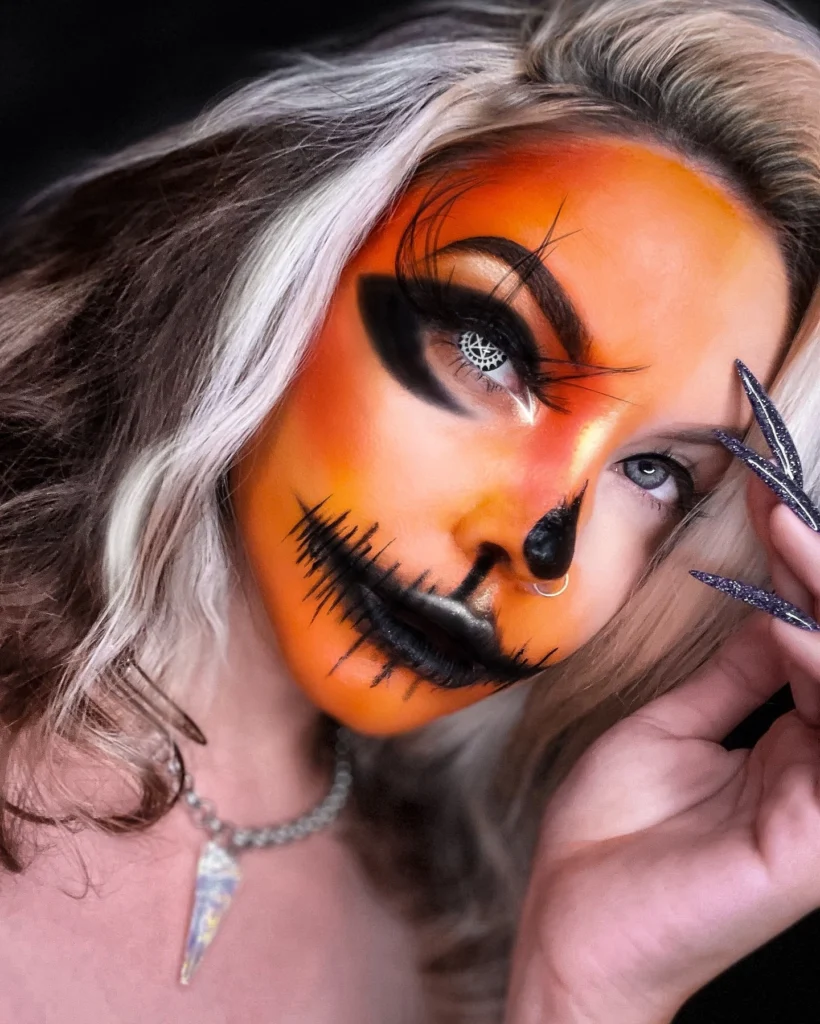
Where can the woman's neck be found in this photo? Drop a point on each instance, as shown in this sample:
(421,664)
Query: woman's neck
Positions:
(260,727)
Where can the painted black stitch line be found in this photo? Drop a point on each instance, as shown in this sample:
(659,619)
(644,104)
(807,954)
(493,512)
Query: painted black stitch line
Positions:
(307,532)
(412,686)
(384,673)
(360,550)
(322,547)
(327,584)
(374,560)
(304,520)
(357,643)
(416,584)
(320,562)
(318,542)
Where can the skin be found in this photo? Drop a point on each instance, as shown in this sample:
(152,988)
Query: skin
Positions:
(671,274)
(664,858)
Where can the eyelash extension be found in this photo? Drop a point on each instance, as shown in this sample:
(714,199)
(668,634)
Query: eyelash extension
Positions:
(455,308)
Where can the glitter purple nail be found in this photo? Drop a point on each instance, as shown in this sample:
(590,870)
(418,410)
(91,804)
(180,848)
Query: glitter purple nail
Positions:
(763,600)
(771,425)
(791,495)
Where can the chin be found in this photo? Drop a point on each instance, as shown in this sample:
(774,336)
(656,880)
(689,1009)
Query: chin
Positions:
(395,705)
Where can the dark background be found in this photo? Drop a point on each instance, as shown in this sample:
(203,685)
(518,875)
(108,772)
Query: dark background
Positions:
(79,79)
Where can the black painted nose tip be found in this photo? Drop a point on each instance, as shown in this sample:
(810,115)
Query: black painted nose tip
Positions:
(550,544)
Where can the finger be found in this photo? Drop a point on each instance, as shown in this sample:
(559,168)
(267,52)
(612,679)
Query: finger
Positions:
(804,685)
(778,530)
(801,661)
(741,676)
(761,502)
(799,548)
(795,564)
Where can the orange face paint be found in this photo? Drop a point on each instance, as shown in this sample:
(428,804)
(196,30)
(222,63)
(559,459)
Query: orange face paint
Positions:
(438,421)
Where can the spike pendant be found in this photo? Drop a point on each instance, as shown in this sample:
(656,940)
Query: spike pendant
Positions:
(217,878)
(217,871)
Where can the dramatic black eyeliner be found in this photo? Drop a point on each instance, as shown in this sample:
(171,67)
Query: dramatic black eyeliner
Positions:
(397,314)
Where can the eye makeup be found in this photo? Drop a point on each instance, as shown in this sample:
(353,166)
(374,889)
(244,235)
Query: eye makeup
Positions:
(484,337)
(414,626)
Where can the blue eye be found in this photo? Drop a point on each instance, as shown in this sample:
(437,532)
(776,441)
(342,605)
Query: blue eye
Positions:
(662,478)
(647,473)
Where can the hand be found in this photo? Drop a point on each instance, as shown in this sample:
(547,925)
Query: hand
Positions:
(663,857)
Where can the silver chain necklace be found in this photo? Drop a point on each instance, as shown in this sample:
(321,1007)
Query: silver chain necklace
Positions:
(218,874)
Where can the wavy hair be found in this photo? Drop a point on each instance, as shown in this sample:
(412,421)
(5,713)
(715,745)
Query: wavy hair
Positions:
(155,307)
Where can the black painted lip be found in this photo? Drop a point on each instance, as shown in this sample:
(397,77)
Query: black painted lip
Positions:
(437,637)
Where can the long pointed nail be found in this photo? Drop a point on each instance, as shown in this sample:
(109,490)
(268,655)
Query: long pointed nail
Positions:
(771,425)
(763,600)
(789,493)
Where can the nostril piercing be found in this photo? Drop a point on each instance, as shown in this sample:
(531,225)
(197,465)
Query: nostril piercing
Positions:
(554,593)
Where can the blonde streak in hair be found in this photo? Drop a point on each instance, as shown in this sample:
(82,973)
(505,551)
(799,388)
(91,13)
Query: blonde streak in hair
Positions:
(282,289)
(278,298)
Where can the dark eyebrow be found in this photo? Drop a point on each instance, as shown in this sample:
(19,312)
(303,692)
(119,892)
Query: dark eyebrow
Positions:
(544,287)
(703,435)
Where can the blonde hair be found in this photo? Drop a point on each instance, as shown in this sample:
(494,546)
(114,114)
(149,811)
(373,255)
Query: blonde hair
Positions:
(154,309)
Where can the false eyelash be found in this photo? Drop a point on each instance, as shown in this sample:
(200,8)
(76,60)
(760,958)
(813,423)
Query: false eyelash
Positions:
(444,305)
(415,271)
(454,308)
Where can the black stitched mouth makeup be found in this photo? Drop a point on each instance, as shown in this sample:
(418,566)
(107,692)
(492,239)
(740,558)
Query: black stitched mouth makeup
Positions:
(437,636)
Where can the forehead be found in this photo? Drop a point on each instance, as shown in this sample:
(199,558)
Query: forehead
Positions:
(666,266)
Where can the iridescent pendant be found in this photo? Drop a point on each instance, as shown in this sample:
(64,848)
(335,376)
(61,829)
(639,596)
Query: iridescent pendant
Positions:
(217,876)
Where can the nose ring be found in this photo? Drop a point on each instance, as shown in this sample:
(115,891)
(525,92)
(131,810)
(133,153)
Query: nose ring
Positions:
(555,593)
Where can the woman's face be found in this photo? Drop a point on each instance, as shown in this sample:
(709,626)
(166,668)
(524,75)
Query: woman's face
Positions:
(528,404)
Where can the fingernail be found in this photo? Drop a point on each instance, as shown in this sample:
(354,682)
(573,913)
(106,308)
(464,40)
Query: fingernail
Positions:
(771,425)
(763,600)
(789,493)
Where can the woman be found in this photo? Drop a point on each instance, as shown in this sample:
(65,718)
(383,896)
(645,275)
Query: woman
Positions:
(389,384)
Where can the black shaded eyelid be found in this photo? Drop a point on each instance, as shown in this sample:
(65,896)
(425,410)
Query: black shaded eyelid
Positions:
(455,307)
(392,326)
(394,312)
